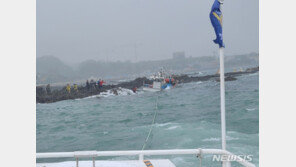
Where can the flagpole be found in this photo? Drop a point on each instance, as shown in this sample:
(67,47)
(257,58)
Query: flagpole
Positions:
(222,97)
(222,101)
(222,104)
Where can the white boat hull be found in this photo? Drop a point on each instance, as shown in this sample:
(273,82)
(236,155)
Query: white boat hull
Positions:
(151,89)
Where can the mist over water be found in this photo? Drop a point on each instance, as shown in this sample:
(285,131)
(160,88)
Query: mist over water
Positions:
(138,30)
(187,117)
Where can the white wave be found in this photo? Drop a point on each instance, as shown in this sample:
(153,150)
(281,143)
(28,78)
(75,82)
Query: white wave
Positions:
(113,92)
(197,83)
(231,138)
(124,92)
(106,94)
(218,139)
(94,96)
(164,124)
(231,132)
(253,74)
(250,109)
(173,127)
(211,139)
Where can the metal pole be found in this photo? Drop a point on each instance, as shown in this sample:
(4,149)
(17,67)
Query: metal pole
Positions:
(77,165)
(94,161)
(222,100)
(222,92)
(222,96)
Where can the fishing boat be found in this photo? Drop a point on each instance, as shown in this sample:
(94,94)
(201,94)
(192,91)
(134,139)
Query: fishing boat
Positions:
(154,87)
(161,81)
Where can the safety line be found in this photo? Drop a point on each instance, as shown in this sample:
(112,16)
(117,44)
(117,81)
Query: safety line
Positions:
(152,124)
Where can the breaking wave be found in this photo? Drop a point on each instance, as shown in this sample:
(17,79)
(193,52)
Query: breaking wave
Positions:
(116,92)
(113,92)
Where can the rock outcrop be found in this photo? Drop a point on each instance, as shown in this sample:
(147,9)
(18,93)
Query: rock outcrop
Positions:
(43,95)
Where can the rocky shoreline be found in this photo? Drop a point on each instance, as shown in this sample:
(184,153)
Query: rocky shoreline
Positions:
(45,95)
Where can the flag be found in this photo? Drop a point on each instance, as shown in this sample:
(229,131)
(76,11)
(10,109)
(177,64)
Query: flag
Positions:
(216,20)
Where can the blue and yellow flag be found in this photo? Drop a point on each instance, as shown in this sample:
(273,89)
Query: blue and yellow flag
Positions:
(216,19)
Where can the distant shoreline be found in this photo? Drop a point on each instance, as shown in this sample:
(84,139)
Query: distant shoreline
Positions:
(46,96)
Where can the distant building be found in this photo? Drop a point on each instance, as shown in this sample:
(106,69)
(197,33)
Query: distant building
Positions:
(179,55)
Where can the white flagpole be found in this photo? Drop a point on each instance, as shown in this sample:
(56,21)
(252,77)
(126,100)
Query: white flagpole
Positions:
(222,97)
(222,101)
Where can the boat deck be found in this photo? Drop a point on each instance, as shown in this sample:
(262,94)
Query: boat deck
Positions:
(130,163)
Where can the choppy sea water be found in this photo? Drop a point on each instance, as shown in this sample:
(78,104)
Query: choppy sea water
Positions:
(187,117)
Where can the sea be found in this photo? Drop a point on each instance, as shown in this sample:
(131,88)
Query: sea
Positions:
(187,117)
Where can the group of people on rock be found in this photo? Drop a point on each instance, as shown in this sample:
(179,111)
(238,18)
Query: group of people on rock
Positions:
(89,85)
(93,85)
(75,88)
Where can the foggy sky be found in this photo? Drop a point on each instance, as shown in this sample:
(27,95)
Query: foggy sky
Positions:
(111,30)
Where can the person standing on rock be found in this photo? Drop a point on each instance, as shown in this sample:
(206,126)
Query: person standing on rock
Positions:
(68,88)
(48,90)
(92,84)
(101,82)
(75,87)
(87,85)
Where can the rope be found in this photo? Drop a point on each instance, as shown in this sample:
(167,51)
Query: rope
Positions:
(153,121)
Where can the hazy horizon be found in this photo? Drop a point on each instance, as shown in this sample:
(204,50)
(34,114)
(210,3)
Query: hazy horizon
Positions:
(137,30)
(72,64)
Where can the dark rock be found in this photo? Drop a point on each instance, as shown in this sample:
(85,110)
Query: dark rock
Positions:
(228,78)
(44,95)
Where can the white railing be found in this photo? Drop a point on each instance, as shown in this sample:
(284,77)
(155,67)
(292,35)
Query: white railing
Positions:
(141,154)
